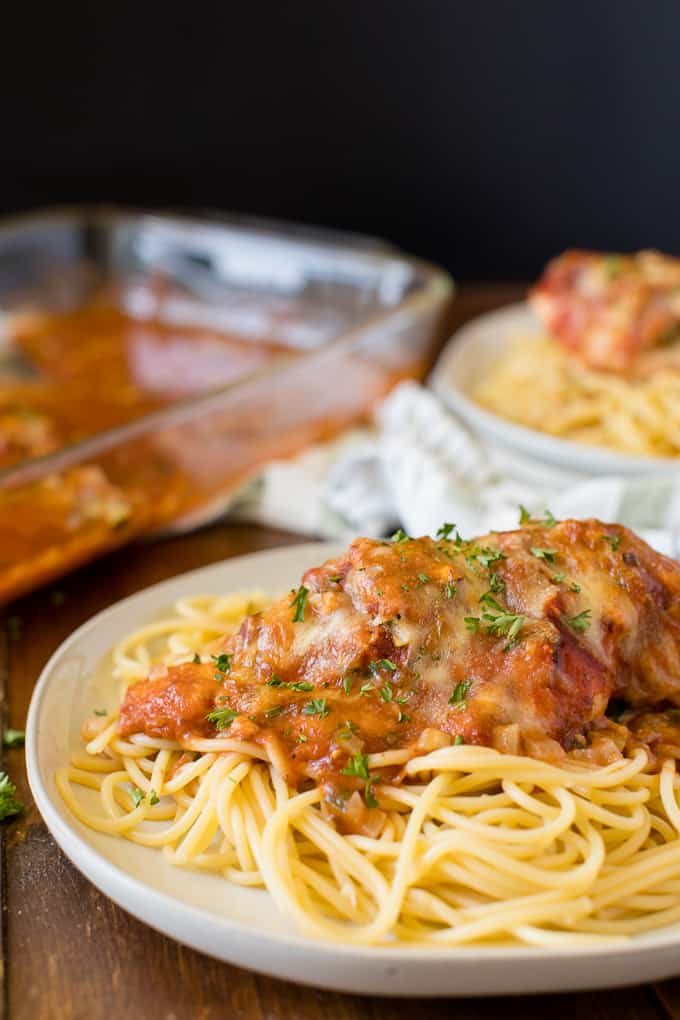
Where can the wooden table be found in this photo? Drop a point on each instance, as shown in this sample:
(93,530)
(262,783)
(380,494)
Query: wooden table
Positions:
(68,952)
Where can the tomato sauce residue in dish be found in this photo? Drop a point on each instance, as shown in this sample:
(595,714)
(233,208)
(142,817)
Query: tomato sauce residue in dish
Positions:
(97,368)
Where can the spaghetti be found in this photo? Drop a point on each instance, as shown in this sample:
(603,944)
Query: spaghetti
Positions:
(541,385)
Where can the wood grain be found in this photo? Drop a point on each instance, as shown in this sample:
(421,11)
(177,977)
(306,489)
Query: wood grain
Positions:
(69,954)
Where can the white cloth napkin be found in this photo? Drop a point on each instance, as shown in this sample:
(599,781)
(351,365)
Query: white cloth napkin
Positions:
(420,466)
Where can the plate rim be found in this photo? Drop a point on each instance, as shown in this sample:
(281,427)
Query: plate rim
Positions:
(142,900)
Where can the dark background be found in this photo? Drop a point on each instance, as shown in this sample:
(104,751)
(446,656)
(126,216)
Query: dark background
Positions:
(484,135)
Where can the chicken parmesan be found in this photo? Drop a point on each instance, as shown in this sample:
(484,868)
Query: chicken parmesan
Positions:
(383,745)
(610,309)
(605,371)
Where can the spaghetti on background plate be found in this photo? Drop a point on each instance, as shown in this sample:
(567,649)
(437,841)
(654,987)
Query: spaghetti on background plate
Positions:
(430,741)
(607,370)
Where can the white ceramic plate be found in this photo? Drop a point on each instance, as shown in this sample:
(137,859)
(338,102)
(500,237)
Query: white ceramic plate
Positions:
(467,358)
(241,925)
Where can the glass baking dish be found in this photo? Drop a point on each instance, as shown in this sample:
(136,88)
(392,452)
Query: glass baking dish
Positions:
(340,320)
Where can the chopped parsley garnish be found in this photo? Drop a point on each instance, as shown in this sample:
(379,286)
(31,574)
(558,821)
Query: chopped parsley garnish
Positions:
(504,625)
(347,684)
(401,699)
(14,738)
(222,662)
(9,802)
(366,689)
(386,692)
(423,578)
(153,798)
(299,601)
(614,541)
(496,583)
(525,517)
(196,659)
(459,693)
(334,578)
(137,795)
(274,711)
(317,706)
(575,587)
(347,729)
(100,711)
(301,738)
(403,717)
(357,766)
(368,793)
(387,664)
(485,556)
(445,531)
(543,554)
(558,577)
(490,600)
(580,622)
(457,740)
(615,709)
(451,590)
(400,536)
(222,717)
(472,623)
(301,686)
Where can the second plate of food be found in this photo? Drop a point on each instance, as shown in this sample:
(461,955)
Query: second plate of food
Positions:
(518,389)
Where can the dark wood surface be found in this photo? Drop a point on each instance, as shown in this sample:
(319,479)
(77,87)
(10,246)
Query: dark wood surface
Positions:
(69,954)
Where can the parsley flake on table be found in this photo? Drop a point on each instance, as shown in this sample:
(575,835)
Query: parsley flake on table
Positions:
(9,802)
(14,738)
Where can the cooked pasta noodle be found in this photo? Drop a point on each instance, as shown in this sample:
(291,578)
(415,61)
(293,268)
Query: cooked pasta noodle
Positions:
(540,385)
(475,846)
